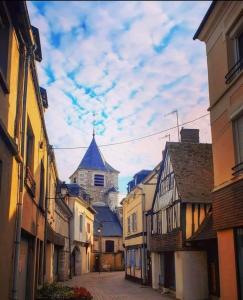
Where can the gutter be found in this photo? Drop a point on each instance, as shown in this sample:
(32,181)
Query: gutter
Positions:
(204,20)
(19,212)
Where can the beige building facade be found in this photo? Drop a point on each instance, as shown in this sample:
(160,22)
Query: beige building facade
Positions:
(137,202)
(81,230)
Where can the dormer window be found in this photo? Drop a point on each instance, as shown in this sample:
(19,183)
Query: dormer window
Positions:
(99,180)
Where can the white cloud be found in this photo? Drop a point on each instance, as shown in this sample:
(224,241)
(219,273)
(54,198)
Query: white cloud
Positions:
(109,49)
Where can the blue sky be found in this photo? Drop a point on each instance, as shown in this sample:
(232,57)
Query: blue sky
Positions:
(130,63)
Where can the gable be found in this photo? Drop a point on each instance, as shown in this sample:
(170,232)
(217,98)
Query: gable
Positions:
(166,191)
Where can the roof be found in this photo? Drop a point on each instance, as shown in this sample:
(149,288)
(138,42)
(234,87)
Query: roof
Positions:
(205,230)
(109,221)
(193,169)
(94,160)
(204,20)
(77,191)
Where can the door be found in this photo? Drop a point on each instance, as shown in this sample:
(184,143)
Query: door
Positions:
(97,263)
(169,262)
(73,263)
(149,268)
(23,267)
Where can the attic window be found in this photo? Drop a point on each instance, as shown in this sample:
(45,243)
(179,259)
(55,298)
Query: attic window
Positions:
(99,180)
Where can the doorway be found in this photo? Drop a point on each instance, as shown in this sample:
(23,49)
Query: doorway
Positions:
(169,261)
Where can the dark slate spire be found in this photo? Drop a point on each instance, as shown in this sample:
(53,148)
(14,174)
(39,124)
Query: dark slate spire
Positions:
(94,160)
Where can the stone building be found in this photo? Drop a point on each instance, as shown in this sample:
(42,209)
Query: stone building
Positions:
(107,252)
(97,177)
(99,181)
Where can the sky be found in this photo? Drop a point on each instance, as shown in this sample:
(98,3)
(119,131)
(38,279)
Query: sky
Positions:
(129,63)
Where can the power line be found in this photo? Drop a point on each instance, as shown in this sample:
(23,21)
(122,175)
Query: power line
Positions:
(135,139)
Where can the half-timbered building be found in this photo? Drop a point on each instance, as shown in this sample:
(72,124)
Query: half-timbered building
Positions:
(181,207)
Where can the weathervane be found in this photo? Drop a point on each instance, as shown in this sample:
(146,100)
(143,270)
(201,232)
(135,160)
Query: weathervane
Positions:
(93,124)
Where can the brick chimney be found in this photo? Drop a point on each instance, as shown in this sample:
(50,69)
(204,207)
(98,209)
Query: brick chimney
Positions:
(189,135)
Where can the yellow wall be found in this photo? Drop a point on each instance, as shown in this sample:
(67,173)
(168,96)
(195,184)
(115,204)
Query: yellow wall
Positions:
(137,201)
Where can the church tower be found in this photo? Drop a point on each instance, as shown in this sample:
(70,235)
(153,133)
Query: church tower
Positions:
(97,177)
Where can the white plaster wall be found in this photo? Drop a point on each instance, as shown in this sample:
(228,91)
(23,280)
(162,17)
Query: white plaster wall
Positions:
(155,269)
(191,275)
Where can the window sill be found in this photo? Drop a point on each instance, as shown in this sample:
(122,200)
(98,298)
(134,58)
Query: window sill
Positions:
(3,83)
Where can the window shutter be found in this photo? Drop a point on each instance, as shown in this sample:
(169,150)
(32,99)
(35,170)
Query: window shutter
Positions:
(240,138)
(81,223)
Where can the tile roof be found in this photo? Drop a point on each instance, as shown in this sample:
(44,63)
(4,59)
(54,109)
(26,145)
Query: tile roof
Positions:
(205,230)
(193,168)
(109,220)
(94,160)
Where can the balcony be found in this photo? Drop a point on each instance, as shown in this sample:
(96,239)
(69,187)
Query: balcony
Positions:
(30,182)
(238,169)
(234,71)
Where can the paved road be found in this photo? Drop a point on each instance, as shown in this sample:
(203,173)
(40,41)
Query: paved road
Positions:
(113,286)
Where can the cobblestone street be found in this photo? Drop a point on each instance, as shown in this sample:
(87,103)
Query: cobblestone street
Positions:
(113,286)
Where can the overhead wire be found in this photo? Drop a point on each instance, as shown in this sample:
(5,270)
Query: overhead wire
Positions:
(135,139)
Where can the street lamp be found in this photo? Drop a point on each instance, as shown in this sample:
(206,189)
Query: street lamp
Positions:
(99,230)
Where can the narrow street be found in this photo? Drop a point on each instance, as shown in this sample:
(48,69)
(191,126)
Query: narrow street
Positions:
(113,286)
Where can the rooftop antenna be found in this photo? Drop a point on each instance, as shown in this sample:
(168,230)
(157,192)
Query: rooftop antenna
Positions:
(175,111)
(93,124)
(164,137)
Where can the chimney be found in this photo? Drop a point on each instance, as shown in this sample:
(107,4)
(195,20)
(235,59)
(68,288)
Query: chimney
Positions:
(189,135)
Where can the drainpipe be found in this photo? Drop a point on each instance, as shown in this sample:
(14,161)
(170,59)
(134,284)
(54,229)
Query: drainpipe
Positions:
(144,249)
(14,295)
(69,246)
(46,211)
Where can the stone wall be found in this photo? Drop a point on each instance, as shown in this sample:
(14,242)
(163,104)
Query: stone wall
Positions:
(85,178)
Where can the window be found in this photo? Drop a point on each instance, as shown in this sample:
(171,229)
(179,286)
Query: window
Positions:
(134,222)
(239,46)
(109,246)
(98,180)
(238,137)
(74,180)
(88,227)
(42,186)
(1,172)
(235,51)
(4,49)
(81,223)
(128,225)
(30,148)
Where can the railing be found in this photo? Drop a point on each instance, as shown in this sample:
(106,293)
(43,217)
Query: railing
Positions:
(30,182)
(234,71)
(238,169)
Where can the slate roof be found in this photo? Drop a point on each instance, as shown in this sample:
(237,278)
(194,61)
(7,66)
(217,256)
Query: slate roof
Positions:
(205,230)
(94,160)
(77,191)
(193,168)
(109,220)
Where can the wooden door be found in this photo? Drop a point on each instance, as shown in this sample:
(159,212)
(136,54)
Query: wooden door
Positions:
(23,268)
(169,261)
(149,268)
